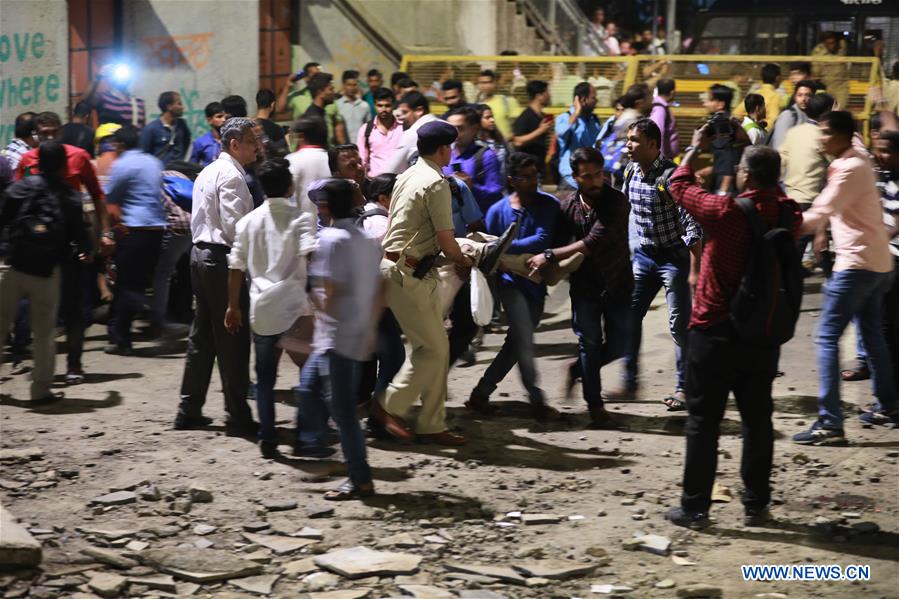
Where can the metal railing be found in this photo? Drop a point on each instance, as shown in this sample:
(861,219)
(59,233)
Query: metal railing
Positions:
(565,26)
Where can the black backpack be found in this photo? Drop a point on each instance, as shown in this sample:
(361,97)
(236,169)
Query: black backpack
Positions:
(38,233)
(367,213)
(766,306)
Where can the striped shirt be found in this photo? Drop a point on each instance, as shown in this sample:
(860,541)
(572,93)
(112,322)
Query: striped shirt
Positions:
(888,186)
(118,107)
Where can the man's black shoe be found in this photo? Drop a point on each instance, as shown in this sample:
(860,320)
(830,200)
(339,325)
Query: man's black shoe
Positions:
(50,398)
(243,430)
(186,423)
(313,451)
(756,516)
(495,249)
(681,517)
(118,350)
(600,419)
(269,450)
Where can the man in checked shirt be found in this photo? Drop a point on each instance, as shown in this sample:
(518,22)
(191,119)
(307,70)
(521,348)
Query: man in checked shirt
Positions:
(670,245)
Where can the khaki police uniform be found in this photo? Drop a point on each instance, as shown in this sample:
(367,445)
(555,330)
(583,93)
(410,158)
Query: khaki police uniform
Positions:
(419,208)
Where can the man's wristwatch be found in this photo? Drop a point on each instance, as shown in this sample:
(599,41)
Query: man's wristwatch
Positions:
(689,149)
(548,254)
(108,234)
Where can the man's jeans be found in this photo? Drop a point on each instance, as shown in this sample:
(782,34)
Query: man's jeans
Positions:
(669,268)
(267,356)
(173,248)
(601,325)
(523,315)
(313,396)
(329,380)
(847,294)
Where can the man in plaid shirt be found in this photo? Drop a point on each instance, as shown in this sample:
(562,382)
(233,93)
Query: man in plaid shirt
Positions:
(667,254)
(718,362)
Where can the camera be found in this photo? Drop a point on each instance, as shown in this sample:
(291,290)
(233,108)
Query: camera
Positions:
(720,126)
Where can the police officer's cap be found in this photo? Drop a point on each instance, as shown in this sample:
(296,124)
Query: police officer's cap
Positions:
(436,134)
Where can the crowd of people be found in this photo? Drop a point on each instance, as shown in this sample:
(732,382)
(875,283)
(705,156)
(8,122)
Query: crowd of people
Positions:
(359,260)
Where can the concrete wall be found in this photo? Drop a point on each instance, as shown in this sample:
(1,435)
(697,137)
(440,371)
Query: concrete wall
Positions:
(203,49)
(33,60)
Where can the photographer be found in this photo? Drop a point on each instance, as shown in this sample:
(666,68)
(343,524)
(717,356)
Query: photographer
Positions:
(724,143)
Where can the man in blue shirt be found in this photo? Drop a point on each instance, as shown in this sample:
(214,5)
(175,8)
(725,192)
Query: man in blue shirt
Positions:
(475,164)
(522,299)
(167,138)
(134,200)
(577,128)
(667,252)
(208,147)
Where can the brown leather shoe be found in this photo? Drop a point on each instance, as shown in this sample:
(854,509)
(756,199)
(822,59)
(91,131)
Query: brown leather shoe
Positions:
(444,438)
(394,425)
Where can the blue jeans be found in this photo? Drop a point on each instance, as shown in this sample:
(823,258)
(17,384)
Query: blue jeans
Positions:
(523,315)
(313,396)
(601,325)
(344,388)
(848,294)
(267,356)
(669,268)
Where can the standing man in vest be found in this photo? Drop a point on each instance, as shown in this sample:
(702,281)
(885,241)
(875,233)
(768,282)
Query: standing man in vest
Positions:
(662,117)
(221,198)
(667,254)
(380,137)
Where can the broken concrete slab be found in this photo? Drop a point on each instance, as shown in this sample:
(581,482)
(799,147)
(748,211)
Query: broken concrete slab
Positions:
(107,584)
(199,565)
(422,591)
(699,591)
(199,493)
(111,530)
(610,589)
(555,569)
(480,594)
(540,519)
(21,454)
(360,562)
(261,585)
(299,567)
(655,544)
(280,545)
(344,594)
(279,505)
(503,573)
(402,539)
(17,546)
(109,557)
(161,582)
(116,498)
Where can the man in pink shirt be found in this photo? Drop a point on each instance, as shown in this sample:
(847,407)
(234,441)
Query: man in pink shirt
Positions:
(862,274)
(378,139)
(662,116)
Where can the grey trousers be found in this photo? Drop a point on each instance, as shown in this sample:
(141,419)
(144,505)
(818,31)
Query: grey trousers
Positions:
(209,342)
(43,294)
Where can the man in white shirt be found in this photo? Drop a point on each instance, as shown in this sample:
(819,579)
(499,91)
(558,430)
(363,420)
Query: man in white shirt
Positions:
(271,246)
(310,162)
(416,112)
(220,199)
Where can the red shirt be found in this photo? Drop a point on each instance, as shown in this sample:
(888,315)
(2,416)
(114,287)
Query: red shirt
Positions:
(79,170)
(727,240)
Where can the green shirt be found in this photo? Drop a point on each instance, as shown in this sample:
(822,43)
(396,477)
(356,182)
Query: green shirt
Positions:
(421,206)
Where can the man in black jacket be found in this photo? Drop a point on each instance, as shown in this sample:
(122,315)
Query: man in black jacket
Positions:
(41,216)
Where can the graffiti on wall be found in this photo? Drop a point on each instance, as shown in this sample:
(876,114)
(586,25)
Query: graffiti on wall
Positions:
(29,88)
(173,51)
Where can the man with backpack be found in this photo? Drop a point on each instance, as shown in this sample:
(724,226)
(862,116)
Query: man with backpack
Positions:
(862,275)
(669,245)
(475,164)
(730,348)
(41,216)
(381,136)
(794,115)
(662,117)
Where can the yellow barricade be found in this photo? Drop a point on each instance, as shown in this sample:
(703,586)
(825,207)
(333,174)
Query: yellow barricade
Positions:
(848,79)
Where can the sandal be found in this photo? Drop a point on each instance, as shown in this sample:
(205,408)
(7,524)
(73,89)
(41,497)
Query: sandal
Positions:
(858,374)
(676,402)
(349,491)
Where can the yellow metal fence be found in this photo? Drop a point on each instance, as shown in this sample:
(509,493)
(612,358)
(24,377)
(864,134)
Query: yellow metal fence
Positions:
(848,79)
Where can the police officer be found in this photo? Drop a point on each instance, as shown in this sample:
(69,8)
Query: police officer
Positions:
(421,226)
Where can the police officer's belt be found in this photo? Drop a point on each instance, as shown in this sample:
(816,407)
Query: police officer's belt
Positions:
(394,256)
